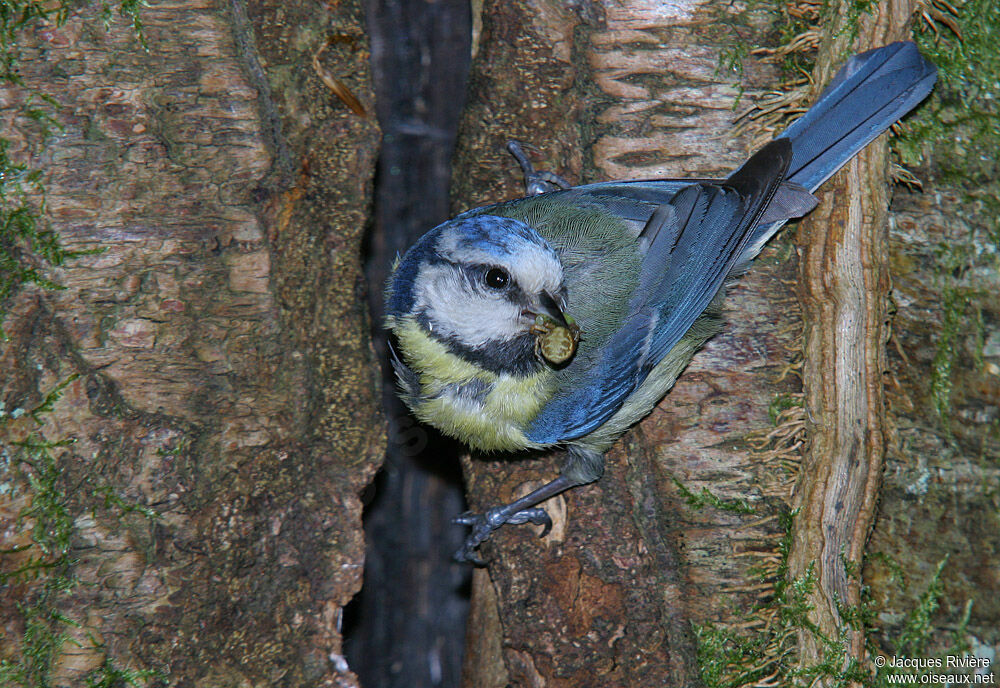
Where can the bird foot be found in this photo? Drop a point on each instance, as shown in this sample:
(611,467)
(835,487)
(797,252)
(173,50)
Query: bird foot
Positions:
(535,181)
(485,523)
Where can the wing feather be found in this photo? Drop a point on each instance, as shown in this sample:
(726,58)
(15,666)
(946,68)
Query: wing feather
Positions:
(686,264)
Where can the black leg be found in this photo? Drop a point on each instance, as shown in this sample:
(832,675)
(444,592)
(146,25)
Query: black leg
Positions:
(581,466)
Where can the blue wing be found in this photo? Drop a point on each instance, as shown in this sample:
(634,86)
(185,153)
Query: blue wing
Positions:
(693,245)
(697,232)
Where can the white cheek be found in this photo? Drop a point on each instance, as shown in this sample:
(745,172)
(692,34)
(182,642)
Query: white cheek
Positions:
(472,318)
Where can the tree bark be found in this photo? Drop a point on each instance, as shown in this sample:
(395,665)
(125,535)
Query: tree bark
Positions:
(937,532)
(221,400)
(623,92)
(844,290)
(611,596)
(405,628)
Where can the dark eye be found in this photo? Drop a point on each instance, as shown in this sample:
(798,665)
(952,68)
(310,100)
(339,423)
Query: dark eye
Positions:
(497,278)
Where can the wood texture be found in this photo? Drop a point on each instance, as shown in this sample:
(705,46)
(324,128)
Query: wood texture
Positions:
(844,291)
(607,90)
(224,373)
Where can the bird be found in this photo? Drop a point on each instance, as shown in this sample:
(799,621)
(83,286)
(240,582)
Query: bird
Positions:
(560,319)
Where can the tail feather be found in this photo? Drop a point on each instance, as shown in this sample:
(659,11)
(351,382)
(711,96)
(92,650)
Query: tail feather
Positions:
(867,95)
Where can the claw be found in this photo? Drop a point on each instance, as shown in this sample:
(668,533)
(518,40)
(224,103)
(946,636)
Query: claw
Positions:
(485,523)
(466,555)
(535,182)
(466,518)
(535,515)
(519,511)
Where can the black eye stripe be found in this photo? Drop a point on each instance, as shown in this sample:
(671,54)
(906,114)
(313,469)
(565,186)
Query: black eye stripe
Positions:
(480,274)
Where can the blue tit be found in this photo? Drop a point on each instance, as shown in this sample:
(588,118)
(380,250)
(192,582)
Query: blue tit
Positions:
(561,319)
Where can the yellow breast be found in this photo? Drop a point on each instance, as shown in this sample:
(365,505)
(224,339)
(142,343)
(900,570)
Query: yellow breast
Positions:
(486,410)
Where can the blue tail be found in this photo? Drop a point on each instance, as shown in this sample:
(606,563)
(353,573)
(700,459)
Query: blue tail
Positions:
(866,97)
(868,94)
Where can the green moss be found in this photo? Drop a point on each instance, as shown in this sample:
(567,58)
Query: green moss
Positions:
(128,10)
(731,59)
(51,398)
(958,130)
(706,498)
(965,96)
(780,403)
(124,507)
(917,630)
(730,658)
(29,247)
(854,10)
(788,27)
(110,675)
(962,330)
(918,635)
(15,15)
(48,570)
(946,353)
(955,136)
(53,521)
(44,634)
(28,244)
(896,574)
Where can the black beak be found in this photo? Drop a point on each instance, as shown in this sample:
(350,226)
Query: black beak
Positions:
(547,305)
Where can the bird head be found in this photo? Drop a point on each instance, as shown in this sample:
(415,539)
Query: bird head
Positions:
(478,284)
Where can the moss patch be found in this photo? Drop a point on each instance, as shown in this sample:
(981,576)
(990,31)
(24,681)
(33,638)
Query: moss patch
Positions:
(958,130)
(762,651)
(705,498)
(44,568)
(29,246)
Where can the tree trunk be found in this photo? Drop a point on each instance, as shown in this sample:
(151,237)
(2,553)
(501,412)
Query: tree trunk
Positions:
(844,289)
(184,429)
(188,505)
(636,561)
(932,559)
(611,596)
